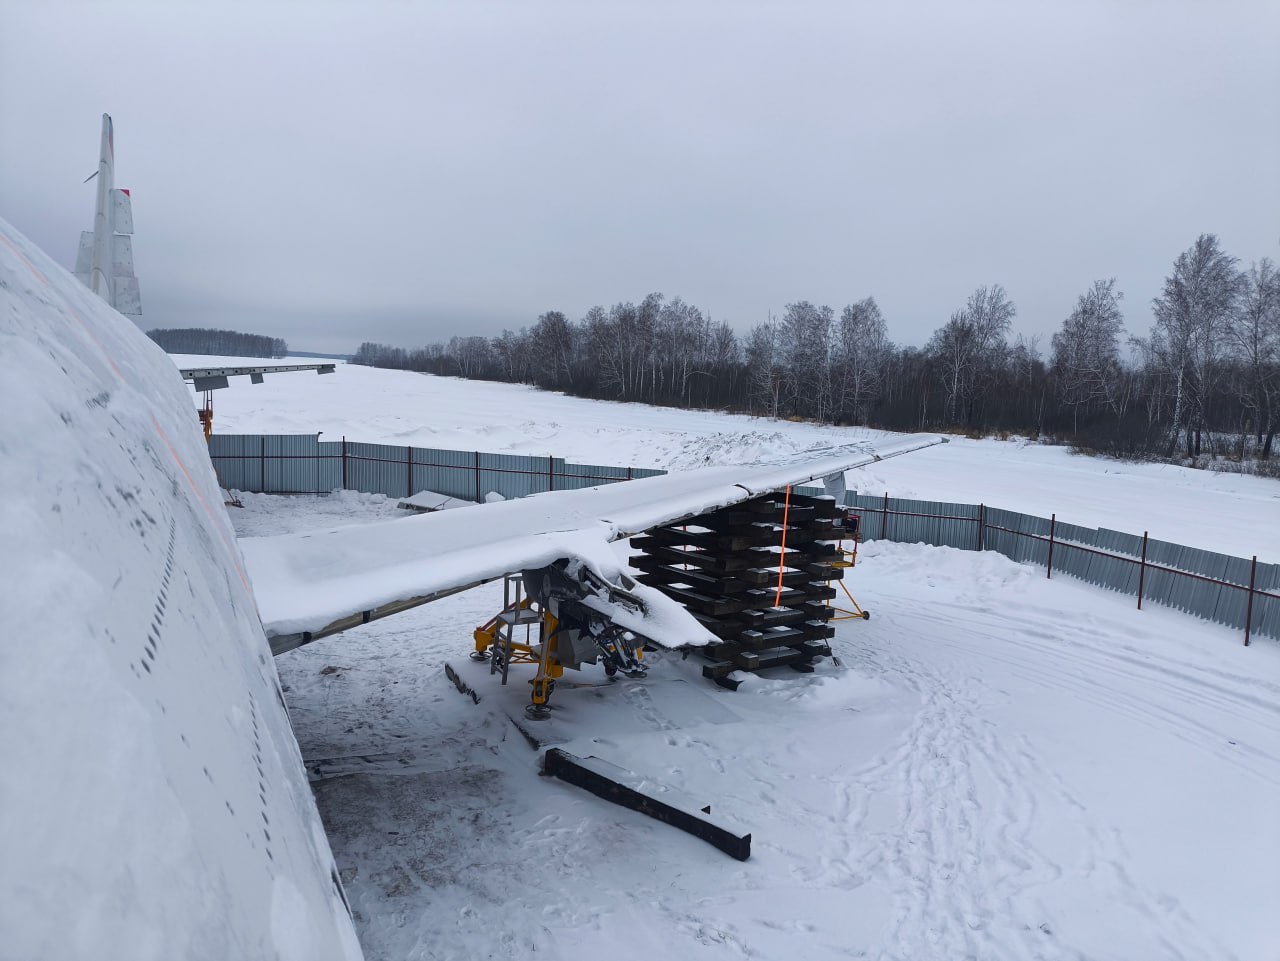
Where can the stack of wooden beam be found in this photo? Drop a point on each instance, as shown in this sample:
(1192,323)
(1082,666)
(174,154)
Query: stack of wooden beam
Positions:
(757,575)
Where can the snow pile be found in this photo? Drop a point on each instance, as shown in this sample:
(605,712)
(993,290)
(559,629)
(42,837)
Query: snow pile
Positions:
(428,502)
(154,804)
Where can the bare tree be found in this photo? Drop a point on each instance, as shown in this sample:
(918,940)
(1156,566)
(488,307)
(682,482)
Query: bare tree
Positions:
(951,348)
(551,351)
(511,354)
(1191,316)
(1086,352)
(861,344)
(805,342)
(970,350)
(1254,331)
(471,355)
(764,368)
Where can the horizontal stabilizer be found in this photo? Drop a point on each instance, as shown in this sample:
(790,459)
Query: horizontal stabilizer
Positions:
(121,256)
(84,256)
(126,297)
(121,212)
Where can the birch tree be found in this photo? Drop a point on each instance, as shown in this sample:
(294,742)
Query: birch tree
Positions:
(1086,351)
(1254,332)
(861,344)
(1191,317)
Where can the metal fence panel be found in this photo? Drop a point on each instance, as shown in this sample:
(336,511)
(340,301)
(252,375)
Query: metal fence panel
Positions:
(1072,557)
(289,464)
(329,468)
(1186,593)
(235,460)
(378,469)
(449,472)
(1266,615)
(578,476)
(516,475)
(1114,573)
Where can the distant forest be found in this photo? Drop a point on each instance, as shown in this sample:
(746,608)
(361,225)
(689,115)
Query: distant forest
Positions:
(1204,382)
(223,343)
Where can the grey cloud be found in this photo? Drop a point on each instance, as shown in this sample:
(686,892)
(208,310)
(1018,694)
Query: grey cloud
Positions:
(339,172)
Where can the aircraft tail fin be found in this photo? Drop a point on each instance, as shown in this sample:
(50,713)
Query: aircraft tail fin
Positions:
(104,262)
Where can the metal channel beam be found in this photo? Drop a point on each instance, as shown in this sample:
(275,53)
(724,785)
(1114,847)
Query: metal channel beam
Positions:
(213,378)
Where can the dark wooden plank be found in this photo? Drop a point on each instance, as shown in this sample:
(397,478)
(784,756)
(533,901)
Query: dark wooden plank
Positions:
(708,584)
(601,780)
(823,506)
(730,519)
(746,560)
(758,535)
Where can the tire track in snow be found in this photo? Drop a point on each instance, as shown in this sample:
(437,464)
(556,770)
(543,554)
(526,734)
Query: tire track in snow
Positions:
(962,851)
(1145,692)
(995,910)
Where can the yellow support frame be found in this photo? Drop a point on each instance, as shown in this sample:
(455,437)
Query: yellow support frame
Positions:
(542,652)
(848,559)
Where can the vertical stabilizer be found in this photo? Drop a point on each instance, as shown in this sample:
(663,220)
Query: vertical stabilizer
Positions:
(104,262)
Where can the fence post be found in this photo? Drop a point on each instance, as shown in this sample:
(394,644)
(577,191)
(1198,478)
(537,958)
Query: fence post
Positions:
(1248,618)
(344,463)
(1142,569)
(884,516)
(551,472)
(628,473)
(477,453)
(408,472)
(262,466)
(1053,526)
(982,524)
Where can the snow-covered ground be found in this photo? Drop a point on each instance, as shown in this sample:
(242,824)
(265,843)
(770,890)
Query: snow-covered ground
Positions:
(1001,766)
(1229,513)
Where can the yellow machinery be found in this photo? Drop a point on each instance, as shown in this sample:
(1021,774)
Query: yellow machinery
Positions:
(846,560)
(526,631)
(500,642)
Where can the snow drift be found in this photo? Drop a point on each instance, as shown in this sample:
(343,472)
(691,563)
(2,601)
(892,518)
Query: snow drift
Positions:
(154,801)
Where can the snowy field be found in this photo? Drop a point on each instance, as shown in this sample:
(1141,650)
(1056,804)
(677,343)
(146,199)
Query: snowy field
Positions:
(1000,766)
(1229,513)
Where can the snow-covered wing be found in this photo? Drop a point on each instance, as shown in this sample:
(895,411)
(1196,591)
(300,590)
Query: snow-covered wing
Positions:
(309,584)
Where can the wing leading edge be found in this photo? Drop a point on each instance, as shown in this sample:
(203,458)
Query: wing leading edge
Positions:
(312,585)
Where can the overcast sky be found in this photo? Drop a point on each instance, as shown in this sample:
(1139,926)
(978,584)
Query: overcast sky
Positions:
(402,172)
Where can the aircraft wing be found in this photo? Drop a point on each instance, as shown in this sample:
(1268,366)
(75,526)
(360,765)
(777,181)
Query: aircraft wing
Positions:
(312,585)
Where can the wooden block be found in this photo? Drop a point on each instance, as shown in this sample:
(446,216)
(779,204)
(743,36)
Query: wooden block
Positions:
(718,669)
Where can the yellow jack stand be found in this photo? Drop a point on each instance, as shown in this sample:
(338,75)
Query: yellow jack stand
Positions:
(496,643)
(206,414)
(848,559)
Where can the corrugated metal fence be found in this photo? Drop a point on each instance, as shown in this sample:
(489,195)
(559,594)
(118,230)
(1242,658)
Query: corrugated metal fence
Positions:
(303,464)
(1235,591)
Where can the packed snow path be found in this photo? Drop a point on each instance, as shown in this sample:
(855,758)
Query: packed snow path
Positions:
(1002,767)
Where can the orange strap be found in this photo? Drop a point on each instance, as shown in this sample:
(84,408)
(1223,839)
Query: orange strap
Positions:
(786,511)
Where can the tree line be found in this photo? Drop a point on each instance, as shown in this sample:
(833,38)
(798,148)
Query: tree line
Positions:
(224,343)
(1204,380)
